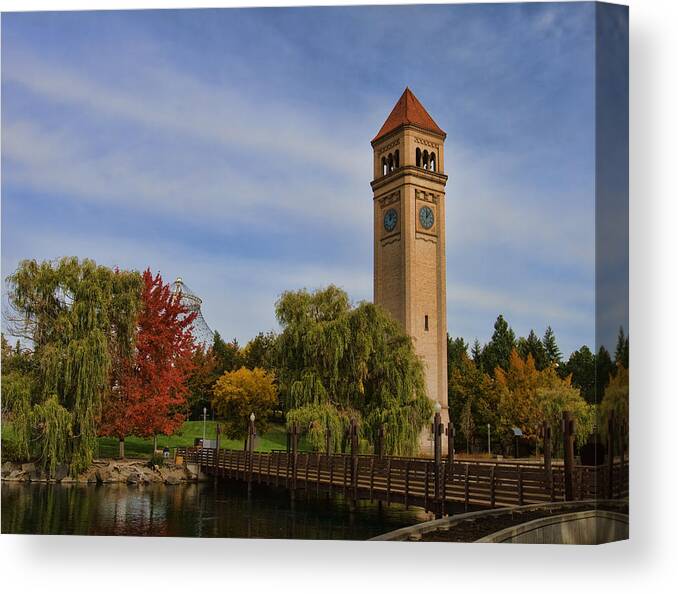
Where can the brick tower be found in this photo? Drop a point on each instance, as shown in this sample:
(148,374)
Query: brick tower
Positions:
(409,235)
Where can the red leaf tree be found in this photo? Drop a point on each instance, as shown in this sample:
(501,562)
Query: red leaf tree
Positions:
(148,393)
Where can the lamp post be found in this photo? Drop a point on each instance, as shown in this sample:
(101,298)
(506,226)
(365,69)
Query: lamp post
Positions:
(204,424)
(437,455)
(250,447)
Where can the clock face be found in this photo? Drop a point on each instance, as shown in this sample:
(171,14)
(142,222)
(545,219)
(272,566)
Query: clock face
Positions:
(390,219)
(426,217)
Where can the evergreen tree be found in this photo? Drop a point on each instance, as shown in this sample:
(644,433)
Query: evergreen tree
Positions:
(582,367)
(533,346)
(621,354)
(457,351)
(477,354)
(604,370)
(497,352)
(260,351)
(228,355)
(553,354)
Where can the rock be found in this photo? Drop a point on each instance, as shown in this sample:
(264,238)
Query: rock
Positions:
(172,479)
(38,476)
(68,479)
(104,475)
(134,478)
(28,467)
(7,468)
(17,475)
(61,472)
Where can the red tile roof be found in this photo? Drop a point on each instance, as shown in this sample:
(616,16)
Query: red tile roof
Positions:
(408,110)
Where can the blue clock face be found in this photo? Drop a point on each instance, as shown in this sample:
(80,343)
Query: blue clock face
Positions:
(390,219)
(426,217)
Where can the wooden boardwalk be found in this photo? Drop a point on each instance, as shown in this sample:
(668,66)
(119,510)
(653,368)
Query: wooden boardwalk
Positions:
(414,481)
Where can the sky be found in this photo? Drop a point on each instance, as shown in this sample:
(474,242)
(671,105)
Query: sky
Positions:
(232,148)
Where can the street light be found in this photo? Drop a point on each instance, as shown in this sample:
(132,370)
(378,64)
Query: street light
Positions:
(204,423)
(252,417)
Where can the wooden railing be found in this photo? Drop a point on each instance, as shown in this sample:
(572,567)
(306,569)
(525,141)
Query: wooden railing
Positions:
(413,481)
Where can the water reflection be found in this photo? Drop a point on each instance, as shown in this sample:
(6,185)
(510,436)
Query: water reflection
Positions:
(208,509)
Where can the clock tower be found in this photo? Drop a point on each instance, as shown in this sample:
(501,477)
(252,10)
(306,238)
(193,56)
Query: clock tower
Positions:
(409,235)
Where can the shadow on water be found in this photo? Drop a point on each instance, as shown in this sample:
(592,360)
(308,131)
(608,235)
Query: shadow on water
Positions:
(211,509)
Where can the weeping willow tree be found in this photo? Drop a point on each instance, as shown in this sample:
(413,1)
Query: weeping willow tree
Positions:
(78,319)
(337,363)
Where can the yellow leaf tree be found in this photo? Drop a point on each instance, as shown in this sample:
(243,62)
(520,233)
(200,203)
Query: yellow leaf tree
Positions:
(528,397)
(239,393)
(616,399)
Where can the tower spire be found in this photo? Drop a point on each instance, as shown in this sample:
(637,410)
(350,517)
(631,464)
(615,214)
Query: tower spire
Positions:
(408,111)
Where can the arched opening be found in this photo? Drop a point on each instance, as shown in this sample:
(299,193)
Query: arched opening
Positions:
(384,166)
(390,162)
(418,157)
(396,159)
(432,162)
(425,160)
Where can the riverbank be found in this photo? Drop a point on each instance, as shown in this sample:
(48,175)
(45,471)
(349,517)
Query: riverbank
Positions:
(104,471)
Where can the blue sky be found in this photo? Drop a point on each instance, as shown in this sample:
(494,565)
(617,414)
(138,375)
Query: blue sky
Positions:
(232,148)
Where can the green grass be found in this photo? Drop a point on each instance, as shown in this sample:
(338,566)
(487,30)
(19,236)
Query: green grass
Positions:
(137,447)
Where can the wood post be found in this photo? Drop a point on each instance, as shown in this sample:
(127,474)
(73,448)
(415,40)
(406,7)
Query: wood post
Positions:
(437,461)
(407,484)
(354,459)
(621,429)
(250,459)
(568,454)
(295,453)
(546,433)
(380,438)
(492,487)
(466,491)
(610,456)
(450,443)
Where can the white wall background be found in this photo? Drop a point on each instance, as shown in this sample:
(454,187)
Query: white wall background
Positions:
(646,563)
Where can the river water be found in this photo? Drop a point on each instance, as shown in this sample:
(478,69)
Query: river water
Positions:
(210,509)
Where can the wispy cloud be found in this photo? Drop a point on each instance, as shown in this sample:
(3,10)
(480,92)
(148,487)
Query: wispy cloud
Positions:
(232,148)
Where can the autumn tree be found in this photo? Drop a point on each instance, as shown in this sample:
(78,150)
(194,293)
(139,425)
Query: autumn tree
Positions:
(616,399)
(149,389)
(237,394)
(472,399)
(517,388)
(528,397)
(77,318)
